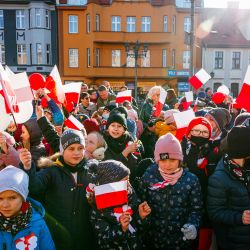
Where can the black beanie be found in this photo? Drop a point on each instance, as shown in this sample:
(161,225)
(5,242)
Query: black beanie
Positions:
(221,116)
(117,117)
(238,142)
(111,171)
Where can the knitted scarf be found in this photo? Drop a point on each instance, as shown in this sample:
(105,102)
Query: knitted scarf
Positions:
(171,178)
(17,223)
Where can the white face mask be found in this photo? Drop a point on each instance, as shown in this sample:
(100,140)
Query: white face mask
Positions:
(105,116)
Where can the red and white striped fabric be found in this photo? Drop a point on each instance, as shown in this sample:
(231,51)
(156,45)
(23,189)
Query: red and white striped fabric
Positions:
(160,104)
(199,79)
(111,194)
(159,185)
(124,96)
(73,123)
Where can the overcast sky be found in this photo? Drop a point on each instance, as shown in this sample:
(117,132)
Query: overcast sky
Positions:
(244,4)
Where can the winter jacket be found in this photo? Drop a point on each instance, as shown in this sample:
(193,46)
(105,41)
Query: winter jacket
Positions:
(35,235)
(227,199)
(162,128)
(148,140)
(57,114)
(10,158)
(171,102)
(108,230)
(65,200)
(87,111)
(102,103)
(172,207)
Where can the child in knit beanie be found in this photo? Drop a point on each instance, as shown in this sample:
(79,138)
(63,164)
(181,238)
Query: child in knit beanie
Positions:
(21,218)
(173,191)
(117,225)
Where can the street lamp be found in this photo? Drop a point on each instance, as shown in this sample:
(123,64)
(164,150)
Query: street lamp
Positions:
(136,54)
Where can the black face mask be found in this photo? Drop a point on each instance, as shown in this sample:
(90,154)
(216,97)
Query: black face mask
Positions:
(198,141)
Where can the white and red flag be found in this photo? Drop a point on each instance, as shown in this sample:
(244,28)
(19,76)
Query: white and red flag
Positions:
(73,123)
(243,99)
(124,96)
(199,79)
(160,104)
(111,194)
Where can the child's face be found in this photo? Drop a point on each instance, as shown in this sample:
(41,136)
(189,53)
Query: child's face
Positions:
(25,134)
(10,203)
(73,154)
(91,143)
(116,130)
(169,166)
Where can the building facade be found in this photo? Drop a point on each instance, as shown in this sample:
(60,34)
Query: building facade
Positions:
(99,40)
(28,35)
(226,47)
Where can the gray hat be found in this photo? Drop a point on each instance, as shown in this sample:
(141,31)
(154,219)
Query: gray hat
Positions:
(15,179)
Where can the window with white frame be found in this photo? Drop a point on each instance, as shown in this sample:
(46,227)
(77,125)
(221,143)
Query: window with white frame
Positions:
(47,19)
(116,23)
(48,54)
(97,22)
(1,20)
(174,24)
(130,24)
(2,54)
(38,17)
(173,58)
(73,58)
(39,56)
(186,59)
(236,60)
(187,24)
(116,58)
(165,23)
(73,24)
(145,23)
(88,57)
(21,54)
(88,22)
(97,57)
(145,60)
(130,59)
(20,19)
(218,60)
(164,58)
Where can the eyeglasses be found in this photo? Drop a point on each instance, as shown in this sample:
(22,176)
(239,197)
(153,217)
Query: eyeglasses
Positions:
(197,132)
(86,98)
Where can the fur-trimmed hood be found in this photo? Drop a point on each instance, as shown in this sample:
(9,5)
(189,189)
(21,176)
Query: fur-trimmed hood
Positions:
(45,162)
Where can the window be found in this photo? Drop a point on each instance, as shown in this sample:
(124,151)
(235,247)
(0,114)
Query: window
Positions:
(164,58)
(47,19)
(20,19)
(1,20)
(130,59)
(165,23)
(97,22)
(174,24)
(48,60)
(39,56)
(145,22)
(88,57)
(236,60)
(2,54)
(187,24)
(145,60)
(88,23)
(116,58)
(73,58)
(116,23)
(97,57)
(21,54)
(173,58)
(216,86)
(130,24)
(186,59)
(218,60)
(235,89)
(38,17)
(73,24)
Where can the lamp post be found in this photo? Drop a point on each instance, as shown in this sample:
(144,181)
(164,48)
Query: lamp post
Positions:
(136,54)
(191,67)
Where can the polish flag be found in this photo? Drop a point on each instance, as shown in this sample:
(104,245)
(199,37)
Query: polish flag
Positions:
(124,96)
(1,68)
(73,123)
(195,105)
(111,194)
(9,71)
(158,107)
(21,85)
(159,185)
(189,100)
(72,94)
(200,78)
(243,99)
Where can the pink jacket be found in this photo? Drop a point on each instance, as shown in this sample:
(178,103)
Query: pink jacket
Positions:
(10,158)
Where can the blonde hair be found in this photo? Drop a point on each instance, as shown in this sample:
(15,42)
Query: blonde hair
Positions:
(154,90)
(100,140)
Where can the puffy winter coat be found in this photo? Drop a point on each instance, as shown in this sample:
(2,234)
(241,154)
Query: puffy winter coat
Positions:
(35,235)
(172,207)
(227,199)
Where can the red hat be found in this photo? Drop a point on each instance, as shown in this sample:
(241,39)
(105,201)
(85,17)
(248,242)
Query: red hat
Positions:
(91,125)
(199,120)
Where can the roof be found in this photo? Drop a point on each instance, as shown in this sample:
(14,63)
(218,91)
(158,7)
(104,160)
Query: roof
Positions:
(230,28)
